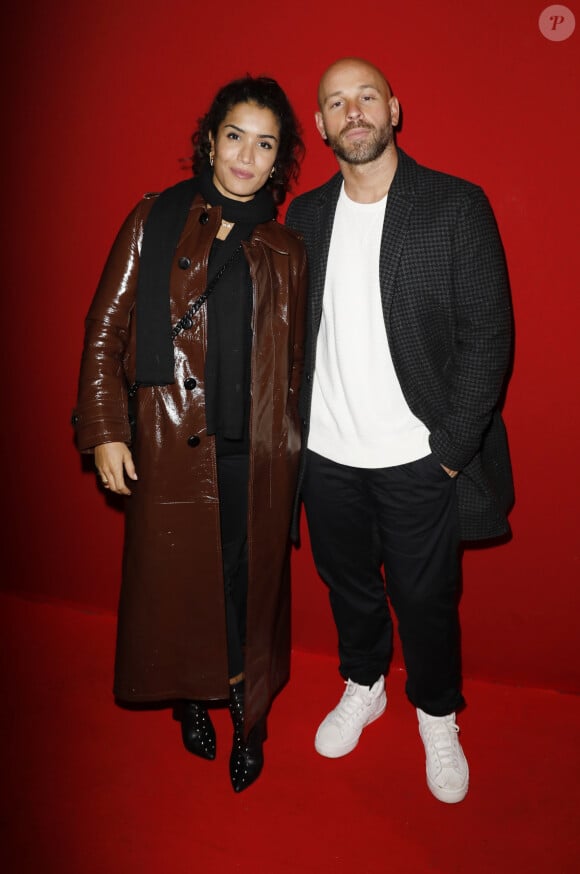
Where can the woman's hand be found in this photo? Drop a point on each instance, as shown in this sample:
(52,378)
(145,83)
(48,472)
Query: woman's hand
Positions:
(113,461)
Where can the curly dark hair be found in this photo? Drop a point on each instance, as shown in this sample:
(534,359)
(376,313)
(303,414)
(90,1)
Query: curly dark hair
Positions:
(266,93)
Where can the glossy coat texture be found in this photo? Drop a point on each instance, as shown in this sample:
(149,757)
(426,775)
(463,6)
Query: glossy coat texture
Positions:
(171,640)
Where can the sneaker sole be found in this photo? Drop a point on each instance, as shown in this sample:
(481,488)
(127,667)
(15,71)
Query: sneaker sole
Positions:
(338,752)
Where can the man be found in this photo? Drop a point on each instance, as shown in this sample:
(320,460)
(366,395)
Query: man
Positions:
(409,332)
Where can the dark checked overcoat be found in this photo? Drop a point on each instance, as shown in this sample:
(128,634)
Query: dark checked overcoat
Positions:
(171,639)
(447,313)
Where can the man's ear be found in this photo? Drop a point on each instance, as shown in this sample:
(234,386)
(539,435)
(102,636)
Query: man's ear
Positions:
(320,125)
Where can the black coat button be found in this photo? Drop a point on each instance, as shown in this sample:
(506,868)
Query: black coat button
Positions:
(193,440)
(190,383)
(204,218)
(184,263)
(74,419)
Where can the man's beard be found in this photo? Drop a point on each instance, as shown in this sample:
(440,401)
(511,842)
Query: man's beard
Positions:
(362,152)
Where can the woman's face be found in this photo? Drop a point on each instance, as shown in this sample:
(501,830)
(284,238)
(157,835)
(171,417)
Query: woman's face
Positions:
(244,150)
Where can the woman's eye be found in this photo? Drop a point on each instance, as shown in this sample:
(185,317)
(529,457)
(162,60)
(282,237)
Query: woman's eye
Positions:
(266,145)
(233,136)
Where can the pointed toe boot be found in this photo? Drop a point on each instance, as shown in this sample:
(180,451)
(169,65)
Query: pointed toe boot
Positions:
(197,731)
(247,757)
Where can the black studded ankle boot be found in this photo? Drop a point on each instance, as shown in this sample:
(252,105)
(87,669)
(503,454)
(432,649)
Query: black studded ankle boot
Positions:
(247,757)
(197,730)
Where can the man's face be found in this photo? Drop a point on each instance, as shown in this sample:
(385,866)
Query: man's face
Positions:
(357,112)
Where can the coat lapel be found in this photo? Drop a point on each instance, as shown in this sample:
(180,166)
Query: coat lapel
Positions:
(400,204)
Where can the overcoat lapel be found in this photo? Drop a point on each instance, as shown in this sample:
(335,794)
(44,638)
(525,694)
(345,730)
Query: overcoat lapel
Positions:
(400,203)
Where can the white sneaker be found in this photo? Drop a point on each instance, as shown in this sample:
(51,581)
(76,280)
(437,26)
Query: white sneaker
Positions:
(339,733)
(446,765)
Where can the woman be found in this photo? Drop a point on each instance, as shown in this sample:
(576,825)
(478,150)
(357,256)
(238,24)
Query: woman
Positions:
(211,468)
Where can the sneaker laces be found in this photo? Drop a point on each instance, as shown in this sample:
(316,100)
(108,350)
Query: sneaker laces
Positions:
(349,705)
(442,738)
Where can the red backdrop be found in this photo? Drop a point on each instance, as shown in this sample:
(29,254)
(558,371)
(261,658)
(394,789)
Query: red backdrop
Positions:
(99,104)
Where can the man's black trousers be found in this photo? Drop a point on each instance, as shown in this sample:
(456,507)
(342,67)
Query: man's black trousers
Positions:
(402,520)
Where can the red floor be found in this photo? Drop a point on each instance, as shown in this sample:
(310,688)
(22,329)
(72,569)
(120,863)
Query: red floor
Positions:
(90,788)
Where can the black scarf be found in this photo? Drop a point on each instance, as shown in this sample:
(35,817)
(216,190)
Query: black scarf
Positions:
(154,354)
(229,328)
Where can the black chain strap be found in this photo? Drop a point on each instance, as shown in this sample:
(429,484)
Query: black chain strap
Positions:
(186,321)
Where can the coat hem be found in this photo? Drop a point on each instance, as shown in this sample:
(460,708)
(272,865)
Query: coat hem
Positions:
(174,695)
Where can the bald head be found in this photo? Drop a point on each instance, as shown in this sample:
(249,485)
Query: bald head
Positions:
(347,71)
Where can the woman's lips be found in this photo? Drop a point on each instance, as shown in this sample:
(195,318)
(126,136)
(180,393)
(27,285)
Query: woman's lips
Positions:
(242,174)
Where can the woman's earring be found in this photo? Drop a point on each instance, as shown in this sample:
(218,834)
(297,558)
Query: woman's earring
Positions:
(272,171)
(211,159)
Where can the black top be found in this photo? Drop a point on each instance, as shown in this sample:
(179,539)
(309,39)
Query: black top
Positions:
(228,361)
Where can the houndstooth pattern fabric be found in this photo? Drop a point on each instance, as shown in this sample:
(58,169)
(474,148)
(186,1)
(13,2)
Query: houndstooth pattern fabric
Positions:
(446,305)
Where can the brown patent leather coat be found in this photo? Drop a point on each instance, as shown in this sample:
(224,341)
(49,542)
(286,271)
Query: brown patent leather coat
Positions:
(171,640)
